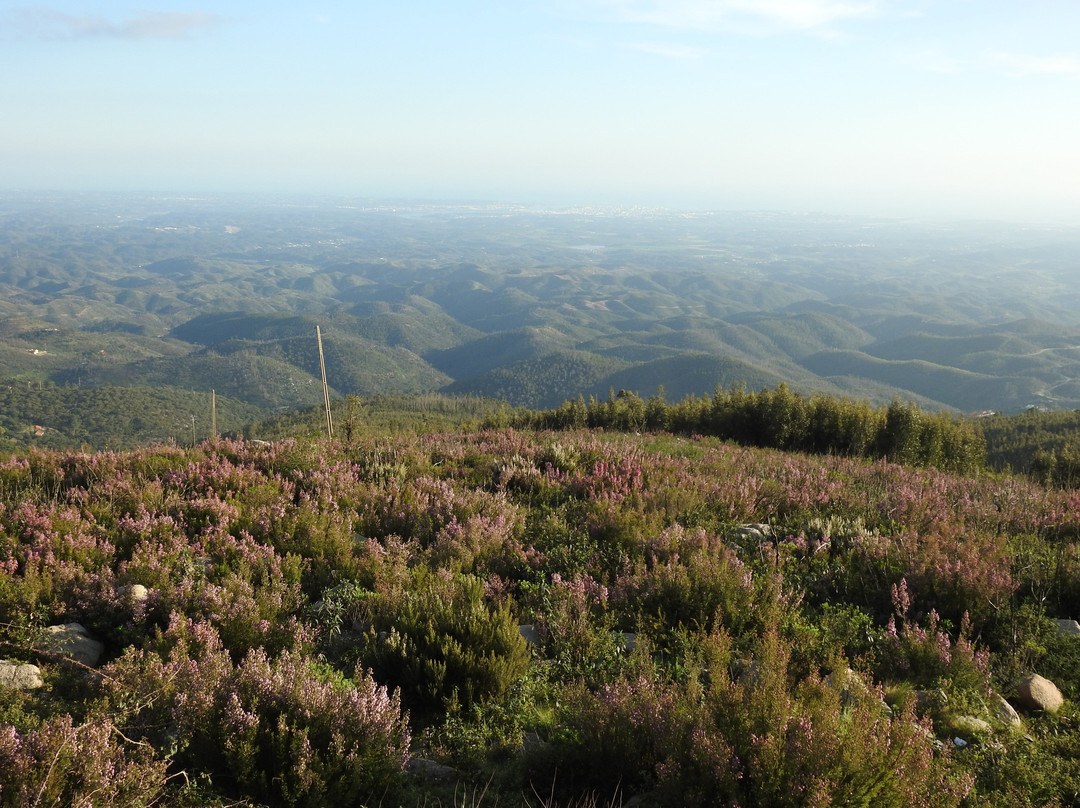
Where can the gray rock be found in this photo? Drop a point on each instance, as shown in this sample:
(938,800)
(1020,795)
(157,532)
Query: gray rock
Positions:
(1006,713)
(532,743)
(19,676)
(432,772)
(1036,693)
(72,641)
(1068,628)
(529,633)
(754,531)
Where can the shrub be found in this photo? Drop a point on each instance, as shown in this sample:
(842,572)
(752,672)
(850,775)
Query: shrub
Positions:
(60,764)
(283,730)
(712,738)
(442,643)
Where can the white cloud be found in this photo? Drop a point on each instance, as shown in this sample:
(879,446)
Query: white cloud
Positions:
(1024,65)
(51,24)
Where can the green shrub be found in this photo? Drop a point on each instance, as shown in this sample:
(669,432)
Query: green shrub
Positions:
(442,644)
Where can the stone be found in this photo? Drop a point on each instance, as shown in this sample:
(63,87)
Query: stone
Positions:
(532,743)
(968,725)
(755,531)
(136,592)
(1007,714)
(19,676)
(529,634)
(1036,693)
(431,771)
(71,640)
(1068,628)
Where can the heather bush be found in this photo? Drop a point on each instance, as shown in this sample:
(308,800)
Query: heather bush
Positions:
(418,556)
(693,581)
(923,652)
(577,632)
(282,729)
(65,765)
(755,738)
(441,642)
(290,733)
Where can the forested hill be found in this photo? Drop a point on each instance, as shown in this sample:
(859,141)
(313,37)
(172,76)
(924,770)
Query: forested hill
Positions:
(531,306)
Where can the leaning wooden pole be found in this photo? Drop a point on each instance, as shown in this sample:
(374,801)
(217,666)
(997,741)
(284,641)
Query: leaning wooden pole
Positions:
(325,389)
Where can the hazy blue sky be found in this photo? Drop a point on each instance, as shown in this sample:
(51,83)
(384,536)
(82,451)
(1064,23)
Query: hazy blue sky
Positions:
(954,107)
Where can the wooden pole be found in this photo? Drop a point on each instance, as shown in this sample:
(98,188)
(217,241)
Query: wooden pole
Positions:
(325,389)
(213,414)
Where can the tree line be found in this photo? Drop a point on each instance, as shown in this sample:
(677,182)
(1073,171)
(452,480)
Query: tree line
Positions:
(778,419)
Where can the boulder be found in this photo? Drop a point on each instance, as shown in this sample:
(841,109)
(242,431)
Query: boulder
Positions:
(19,676)
(1006,713)
(1068,628)
(72,641)
(1036,693)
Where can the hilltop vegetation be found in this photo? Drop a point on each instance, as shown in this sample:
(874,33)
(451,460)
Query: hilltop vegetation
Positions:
(291,623)
(531,306)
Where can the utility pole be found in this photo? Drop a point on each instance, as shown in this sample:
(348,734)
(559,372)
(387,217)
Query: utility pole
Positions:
(325,389)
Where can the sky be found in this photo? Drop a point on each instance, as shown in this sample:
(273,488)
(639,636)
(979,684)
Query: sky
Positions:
(935,108)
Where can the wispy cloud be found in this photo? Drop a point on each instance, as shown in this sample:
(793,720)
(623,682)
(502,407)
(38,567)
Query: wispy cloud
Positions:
(1024,65)
(725,14)
(52,24)
(668,50)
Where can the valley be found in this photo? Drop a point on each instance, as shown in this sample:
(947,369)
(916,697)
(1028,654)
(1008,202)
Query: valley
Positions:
(530,306)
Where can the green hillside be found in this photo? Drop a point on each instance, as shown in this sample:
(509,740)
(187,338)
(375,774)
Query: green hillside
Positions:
(545,381)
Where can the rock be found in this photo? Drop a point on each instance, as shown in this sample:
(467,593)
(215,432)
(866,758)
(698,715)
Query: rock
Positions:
(929,701)
(1036,693)
(532,743)
(755,531)
(628,640)
(1068,628)
(72,641)
(1006,714)
(432,772)
(847,681)
(19,676)
(136,592)
(968,725)
(529,633)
